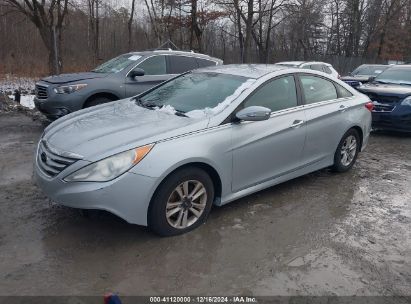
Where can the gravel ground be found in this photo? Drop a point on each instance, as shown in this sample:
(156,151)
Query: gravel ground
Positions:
(321,234)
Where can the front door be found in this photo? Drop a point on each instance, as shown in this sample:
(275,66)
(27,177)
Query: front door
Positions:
(264,150)
(155,72)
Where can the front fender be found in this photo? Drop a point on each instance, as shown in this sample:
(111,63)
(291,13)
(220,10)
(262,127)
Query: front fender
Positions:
(211,147)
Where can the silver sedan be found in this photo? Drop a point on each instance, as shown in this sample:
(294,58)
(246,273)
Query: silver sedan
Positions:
(207,137)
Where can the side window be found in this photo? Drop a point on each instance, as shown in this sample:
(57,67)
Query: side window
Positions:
(276,95)
(327,69)
(342,92)
(317,89)
(181,64)
(155,65)
(204,62)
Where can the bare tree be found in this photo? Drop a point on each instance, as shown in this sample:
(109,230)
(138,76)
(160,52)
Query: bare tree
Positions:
(130,23)
(48,17)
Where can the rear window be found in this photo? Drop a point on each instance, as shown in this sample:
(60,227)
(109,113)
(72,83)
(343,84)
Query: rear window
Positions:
(181,64)
(317,67)
(327,70)
(204,62)
(342,92)
(317,89)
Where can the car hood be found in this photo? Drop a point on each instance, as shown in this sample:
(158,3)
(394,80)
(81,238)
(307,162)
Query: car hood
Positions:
(65,78)
(115,127)
(396,90)
(361,78)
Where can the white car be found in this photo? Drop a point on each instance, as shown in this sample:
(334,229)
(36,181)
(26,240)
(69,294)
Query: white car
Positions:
(312,65)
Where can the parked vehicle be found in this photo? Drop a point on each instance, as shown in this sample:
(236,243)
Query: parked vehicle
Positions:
(312,65)
(363,73)
(206,137)
(124,76)
(390,92)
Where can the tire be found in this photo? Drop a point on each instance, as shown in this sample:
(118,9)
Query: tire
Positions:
(346,154)
(97,101)
(170,212)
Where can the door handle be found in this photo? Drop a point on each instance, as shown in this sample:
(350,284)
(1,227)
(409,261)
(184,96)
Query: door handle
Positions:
(297,123)
(342,108)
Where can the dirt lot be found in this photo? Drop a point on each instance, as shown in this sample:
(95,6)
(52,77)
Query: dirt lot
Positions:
(321,234)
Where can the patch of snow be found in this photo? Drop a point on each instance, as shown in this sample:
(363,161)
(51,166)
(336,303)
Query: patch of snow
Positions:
(222,105)
(8,84)
(167,109)
(27,101)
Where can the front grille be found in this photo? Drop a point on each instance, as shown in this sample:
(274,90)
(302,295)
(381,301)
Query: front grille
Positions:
(41,92)
(383,99)
(378,107)
(50,162)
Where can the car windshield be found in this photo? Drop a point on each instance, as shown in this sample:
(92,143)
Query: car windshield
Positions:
(117,64)
(397,75)
(369,70)
(195,92)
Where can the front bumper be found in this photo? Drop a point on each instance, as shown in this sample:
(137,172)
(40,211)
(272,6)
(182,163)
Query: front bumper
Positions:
(54,105)
(127,196)
(397,120)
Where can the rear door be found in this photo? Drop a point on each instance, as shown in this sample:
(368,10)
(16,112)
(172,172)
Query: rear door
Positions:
(326,106)
(155,68)
(264,150)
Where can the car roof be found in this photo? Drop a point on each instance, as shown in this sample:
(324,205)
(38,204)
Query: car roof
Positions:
(174,52)
(400,66)
(290,62)
(247,70)
(302,62)
(376,64)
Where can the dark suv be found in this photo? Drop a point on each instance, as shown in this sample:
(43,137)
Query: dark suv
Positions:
(124,76)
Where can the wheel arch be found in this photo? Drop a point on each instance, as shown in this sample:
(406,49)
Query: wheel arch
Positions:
(360,133)
(209,169)
(109,95)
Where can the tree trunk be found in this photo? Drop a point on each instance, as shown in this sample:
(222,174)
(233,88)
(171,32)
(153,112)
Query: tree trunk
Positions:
(130,24)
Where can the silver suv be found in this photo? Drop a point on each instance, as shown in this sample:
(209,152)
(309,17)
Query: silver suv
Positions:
(124,76)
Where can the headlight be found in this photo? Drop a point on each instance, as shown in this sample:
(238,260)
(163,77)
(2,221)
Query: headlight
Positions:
(69,89)
(406,101)
(110,167)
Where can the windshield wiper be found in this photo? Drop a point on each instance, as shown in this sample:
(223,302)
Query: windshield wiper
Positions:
(146,105)
(180,113)
(381,81)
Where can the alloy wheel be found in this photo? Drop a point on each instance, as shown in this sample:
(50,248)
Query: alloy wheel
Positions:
(348,150)
(186,204)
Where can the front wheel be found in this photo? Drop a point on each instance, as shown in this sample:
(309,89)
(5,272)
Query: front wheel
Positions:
(347,151)
(181,203)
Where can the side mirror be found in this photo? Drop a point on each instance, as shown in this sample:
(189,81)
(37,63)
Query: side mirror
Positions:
(136,72)
(254,113)
(371,78)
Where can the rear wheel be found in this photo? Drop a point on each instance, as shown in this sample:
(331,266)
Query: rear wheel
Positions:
(97,101)
(347,151)
(181,203)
